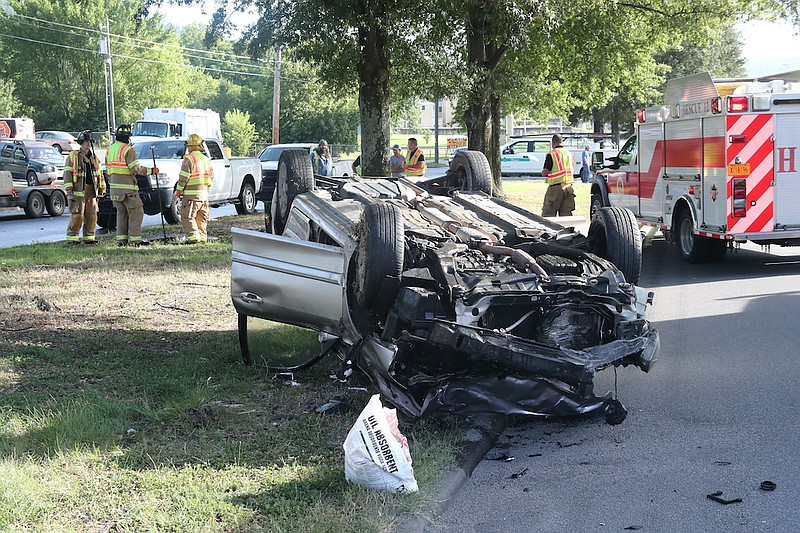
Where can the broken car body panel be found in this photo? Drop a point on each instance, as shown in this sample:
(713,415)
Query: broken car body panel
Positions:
(491,308)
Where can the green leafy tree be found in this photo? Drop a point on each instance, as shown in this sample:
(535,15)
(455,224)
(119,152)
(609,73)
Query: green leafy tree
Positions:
(238,132)
(10,105)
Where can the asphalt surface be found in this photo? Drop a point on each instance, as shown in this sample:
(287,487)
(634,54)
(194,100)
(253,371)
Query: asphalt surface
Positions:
(716,414)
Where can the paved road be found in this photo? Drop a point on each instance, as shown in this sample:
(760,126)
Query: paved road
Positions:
(719,412)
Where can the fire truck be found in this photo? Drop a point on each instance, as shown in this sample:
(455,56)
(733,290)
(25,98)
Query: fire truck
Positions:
(718,164)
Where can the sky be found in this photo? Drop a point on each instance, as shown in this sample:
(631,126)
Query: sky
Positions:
(769,47)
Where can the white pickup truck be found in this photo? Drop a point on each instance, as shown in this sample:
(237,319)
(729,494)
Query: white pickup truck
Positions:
(237,180)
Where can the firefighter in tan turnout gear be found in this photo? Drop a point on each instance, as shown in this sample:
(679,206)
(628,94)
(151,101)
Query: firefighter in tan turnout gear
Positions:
(84,184)
(193,184)
(122,166)
(558,167)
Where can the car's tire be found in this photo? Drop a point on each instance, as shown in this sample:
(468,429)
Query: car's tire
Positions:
(295,176)
(172,214)
(56,203)
(247,200)
(378,260)
(35,205)
(595,205)
(614,235)
(107,221)
(31,178)
(470,171)
(58,147)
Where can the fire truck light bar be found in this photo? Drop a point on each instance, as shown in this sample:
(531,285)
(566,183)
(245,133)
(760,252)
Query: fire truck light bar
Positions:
(640,115)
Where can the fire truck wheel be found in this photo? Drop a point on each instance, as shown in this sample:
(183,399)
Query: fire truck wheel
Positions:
(614,235)
(694,248)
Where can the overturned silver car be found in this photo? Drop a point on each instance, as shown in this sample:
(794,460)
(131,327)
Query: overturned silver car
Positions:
(448,298)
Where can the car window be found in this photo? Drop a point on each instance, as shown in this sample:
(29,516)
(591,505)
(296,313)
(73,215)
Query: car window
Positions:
(626,154)
(45,154)
(271,154)
(19,154)
(215,150)
(161,150)
(8,151)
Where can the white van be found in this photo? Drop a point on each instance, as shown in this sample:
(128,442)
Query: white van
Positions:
(17,128)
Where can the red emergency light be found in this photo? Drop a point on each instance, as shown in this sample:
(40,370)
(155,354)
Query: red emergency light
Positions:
(739,197)
(640,115)
(716,105)
(737,104)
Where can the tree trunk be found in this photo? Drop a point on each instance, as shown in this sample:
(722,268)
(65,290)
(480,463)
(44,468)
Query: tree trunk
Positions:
(373,100)
(493,151)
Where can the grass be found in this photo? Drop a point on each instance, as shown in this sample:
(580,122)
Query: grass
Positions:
(125,405)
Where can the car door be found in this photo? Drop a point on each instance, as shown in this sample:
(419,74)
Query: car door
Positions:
(18,164)
(515,158)
(288,280)
(223,179)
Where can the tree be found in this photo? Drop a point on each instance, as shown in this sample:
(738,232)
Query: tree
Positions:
(10,105)
(52,53)
(238,132)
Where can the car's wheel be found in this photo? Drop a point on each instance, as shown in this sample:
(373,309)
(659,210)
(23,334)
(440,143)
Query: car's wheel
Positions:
(172,214)
(614,235)
(107,221)
(58,147)
(689,245)
(31,178)
(470,171)
(56,203)
(379,257)
(247,200)
(596,204)
(35,205)
(295,176)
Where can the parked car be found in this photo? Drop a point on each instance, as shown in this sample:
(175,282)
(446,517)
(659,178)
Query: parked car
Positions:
(526,156)
(60,140)
(448,298)
(236,180)
(454,152)
(32,162)
(269,157)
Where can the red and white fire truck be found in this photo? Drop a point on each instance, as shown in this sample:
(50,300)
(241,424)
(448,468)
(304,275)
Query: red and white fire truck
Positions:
(717,164)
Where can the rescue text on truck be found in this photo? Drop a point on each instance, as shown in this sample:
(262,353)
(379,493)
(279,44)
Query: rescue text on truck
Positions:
(715,166)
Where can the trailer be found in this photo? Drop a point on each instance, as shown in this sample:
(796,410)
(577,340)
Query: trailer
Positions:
(35,201)
(716,165)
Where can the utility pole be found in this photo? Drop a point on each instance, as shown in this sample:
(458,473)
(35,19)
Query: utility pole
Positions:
(105,48)
(276,99)
(436,130)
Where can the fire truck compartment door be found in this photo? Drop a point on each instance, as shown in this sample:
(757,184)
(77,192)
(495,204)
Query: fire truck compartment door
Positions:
(787,170)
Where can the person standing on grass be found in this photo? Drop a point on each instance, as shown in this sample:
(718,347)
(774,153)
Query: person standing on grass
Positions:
(397,163)
(84,184)
(558,167)
(122,166)
(415,159)
(195,179)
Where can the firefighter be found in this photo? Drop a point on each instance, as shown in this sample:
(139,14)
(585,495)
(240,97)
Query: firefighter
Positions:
(193,184)
(122,166)
(84,184)
(558,167)
(415,159)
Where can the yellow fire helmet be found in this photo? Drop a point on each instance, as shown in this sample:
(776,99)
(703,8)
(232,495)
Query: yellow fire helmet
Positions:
(194,140)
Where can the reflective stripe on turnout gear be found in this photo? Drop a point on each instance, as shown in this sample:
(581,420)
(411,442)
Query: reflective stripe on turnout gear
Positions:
(562,160)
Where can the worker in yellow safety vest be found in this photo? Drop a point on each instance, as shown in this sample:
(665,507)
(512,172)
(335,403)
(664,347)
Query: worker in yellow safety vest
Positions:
(559,199)
(415,159)
(195,179)
(84,184)
(122,166)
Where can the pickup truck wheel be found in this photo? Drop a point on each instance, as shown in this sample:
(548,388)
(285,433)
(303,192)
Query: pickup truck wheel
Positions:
(247,200)
(295,176)
(172,215)
(470,171)
(56,203)
(107,221)
(378,260)
(595,205)
(614,235)
(35,205)
(31,178)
